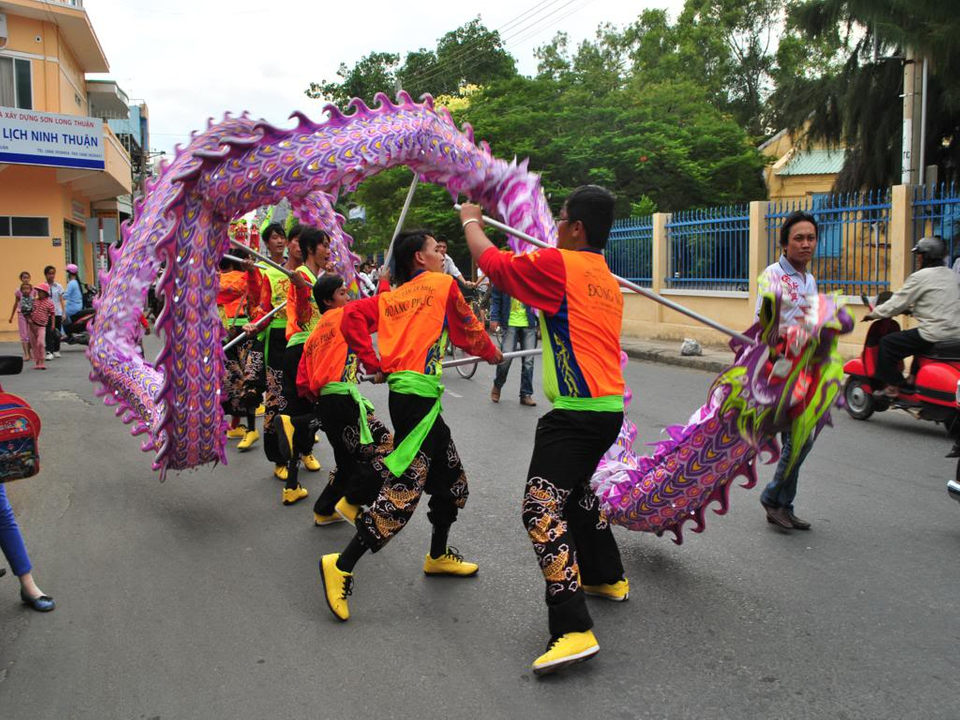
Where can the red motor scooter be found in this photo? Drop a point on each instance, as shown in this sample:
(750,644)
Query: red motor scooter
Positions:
(933,395)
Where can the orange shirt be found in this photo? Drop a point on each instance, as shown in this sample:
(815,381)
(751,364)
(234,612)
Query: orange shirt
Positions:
(326,357)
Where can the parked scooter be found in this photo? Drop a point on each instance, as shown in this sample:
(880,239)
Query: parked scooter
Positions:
(78,329)
(932,394)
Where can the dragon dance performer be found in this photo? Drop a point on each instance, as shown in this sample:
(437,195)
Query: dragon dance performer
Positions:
(295,425)
(412,323)
(581,312)
(328,377)
(238,295)
(272,339)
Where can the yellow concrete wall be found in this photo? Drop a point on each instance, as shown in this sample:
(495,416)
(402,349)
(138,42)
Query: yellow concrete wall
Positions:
(798,186)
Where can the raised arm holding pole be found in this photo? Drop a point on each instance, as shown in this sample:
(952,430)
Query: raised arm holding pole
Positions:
(624,283)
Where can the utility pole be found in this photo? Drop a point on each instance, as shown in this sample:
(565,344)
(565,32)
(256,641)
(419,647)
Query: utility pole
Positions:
(913,116)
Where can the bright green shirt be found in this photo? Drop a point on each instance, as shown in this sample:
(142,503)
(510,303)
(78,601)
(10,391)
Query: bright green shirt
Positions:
(518,314)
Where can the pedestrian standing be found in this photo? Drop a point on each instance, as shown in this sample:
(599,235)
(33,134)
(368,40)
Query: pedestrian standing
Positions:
(41,319)
(22,306)
(798,243)
(58,298)
(519,333)
(15,551)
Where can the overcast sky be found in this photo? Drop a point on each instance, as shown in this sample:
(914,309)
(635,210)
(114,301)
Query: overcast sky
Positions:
(192,59)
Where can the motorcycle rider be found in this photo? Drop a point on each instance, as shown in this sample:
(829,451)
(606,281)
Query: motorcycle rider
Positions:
(932,295)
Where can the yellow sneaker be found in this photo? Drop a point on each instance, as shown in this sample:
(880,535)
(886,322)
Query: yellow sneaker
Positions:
(618,591)
(321,520)
(293,496)
(249,439)
(280,472)
(337,586)
(284,430)
(450,563)
(567,649)
(261,410)
(347,511)
(310,462)
(238,432)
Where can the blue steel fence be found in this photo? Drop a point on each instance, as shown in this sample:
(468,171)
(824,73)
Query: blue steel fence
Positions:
(853,249)
(936,211)
(708,249)
(629,250)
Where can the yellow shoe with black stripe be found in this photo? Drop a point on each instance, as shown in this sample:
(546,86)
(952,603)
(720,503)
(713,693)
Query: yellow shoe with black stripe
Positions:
(238,432)
(284,429)
(566,650)
(618,591)
(347,511)
(337,586)
(321,520)
(295,495)
(261,410)
(248,440)
(280,472)
(450,563)
(310,462)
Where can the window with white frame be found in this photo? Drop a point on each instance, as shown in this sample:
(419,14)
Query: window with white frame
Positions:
(16,89)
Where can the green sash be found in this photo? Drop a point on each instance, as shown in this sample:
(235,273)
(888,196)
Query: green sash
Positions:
(606,403)
(298,338)
(408,382)
(365,406)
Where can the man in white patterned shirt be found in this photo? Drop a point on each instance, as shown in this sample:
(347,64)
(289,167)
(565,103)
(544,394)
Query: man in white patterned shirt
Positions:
(798,243)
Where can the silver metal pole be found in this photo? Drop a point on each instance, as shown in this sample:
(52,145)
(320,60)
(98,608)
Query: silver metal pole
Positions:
(475,359)
(260,256)
(243,336)
(627,284)
(403,217)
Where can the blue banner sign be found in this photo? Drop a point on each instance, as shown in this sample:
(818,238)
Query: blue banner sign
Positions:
(28,137)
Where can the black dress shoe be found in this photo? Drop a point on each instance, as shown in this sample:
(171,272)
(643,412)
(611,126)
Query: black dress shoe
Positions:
(3,571)
(797,522)
(955,450)
(44,603)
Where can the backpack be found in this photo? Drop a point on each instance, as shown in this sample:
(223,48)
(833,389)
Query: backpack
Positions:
(26,305)
(19,439)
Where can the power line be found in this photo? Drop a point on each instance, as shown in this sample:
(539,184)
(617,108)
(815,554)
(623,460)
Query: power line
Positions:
(464,52)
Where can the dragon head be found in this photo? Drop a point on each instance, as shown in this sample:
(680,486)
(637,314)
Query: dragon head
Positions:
(791,377)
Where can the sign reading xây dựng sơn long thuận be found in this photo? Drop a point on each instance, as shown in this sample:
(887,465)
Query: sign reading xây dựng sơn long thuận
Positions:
(28,137)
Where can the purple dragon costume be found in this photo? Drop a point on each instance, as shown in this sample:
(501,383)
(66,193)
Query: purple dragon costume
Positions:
(240,164)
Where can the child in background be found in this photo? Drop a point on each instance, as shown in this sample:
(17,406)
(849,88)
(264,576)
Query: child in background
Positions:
(22,307)
(41,319)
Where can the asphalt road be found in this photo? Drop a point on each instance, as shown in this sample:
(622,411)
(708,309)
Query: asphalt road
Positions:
(199,597)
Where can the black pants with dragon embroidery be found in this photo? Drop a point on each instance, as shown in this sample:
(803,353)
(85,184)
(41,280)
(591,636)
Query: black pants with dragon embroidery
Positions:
(436,470)
(355,476)
(571,537)
(274,347)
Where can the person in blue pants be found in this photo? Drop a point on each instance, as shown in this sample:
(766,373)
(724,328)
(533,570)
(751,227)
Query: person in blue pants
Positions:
(11,543)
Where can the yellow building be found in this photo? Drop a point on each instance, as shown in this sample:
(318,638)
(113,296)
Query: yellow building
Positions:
(797,171)
(62,168)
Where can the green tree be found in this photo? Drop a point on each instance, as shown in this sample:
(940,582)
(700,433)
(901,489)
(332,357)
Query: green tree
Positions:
(376,72)
(854,102)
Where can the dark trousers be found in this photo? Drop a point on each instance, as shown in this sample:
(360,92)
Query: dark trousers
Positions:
(274,349)
(53,334)
(301,411)
(355,476)
(782,490)
(570,536)
(436,470)
(894,348)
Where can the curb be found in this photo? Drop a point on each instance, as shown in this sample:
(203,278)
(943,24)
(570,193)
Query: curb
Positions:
(672,357)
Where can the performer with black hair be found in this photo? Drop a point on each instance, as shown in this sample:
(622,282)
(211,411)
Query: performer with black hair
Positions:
(412,323)
(328,376)
(581,312)
(296,426)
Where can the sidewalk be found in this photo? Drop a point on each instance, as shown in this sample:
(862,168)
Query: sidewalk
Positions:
(667,352)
